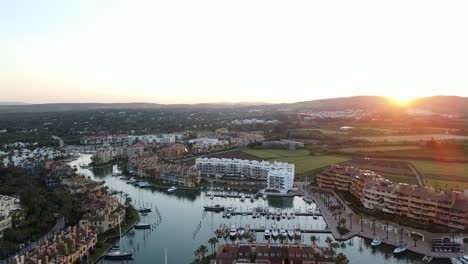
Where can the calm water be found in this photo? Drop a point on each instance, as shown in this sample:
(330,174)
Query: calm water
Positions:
(184,226)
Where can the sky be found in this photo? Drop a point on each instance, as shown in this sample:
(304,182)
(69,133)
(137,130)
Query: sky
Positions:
(186,51)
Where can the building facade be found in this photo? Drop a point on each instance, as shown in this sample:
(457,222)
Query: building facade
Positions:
(279,175)
(421,204)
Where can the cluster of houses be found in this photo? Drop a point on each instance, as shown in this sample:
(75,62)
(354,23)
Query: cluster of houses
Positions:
(420,204)
(27,155)
(66,246)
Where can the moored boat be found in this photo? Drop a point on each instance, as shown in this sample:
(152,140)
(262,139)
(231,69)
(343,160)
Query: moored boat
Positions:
(400,249)
(376,242)
(233,232)
(267,234)
(214,208)
(118,255)
(172,189)
(142,226)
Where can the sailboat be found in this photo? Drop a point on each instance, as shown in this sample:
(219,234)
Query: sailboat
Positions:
(115,253)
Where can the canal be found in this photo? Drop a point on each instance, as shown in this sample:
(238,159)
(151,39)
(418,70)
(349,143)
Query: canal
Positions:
(180,226)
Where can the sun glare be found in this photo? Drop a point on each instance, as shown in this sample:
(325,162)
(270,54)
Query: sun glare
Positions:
(400,99)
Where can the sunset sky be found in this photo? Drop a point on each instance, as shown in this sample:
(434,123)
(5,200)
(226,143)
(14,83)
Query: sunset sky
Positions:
(177,51)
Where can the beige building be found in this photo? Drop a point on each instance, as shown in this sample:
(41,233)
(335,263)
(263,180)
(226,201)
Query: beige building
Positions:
(421,204)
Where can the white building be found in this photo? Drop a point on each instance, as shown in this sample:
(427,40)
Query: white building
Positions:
(7,204)
(279,175)
(204,141)
(163,139)
(280,180)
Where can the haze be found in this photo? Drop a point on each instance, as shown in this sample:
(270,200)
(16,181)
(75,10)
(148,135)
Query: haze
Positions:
(230,51)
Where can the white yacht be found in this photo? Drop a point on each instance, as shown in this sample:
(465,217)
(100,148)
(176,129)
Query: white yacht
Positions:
(275,233)
(267,234)
(399,249)
(376,242)
(241,232)
(283,233)
(242,198)
(172,189)
(291,234)
(233,232)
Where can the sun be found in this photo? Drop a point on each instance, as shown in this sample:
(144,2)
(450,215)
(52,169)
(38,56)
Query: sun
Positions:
(401,99)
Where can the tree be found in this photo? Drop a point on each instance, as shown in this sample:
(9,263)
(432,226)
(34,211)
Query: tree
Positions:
(197,253)
(329,241)
(341,259)
(350,220)
(212,241)
(313,239)
(203,250)
(342,222)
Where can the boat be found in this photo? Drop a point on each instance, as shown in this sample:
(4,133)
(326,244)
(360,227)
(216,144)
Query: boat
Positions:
(142,226)
(230,209)
(242,198)
(291,234)
(241,232)
(283,233)
(307,199)
(212,196)
(131,181)
(297,232)
(275,233)
(144,210)
(143,184)
(264,197)
(427,259)
(172,189)
(459,260)
(400,249)
(116,174)
(214,208)
(376,242)
(267,234)
(115,253)
(252,199)
(233,232)
(228,214)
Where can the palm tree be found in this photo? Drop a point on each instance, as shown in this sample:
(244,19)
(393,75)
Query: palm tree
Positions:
(329,241)
(212,241)
(342,222)
(341,259)
(197,254)
(313,239)
(203,250)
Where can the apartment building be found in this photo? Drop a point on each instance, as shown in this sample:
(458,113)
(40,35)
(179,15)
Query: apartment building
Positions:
(8,205)
(102,213)
(103,155)
(107,139)
(279,175)
(421,204)
(161,139)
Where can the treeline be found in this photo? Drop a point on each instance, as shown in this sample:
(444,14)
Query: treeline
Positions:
(41,207)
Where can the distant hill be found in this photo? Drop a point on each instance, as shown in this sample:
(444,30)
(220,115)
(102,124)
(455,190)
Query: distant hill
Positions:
(12,103)
(436,104)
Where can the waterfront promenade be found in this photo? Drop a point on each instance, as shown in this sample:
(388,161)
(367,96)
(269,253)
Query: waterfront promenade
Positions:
(389,233)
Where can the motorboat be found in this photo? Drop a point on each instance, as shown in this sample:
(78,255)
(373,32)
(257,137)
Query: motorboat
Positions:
(228,214)
(233,232)
(297,232)
(252,199)
(142,226)
(241,232)
(264,197)
(291,234)
(230,209)
(400,249)
(427,259)
(242,198)
(214,208)
(267,234)
(117,255)
(131,180)
(172,189)
(307,199)
(116,174)
(283,233)
(212,197)
(275,233)
(459,260)
(143,184)
(144,210)
(376,242)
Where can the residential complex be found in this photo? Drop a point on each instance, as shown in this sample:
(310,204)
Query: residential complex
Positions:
(174,174)
(103,155)
(102,213)
(279,175)
(65,247)
(421,204)
(107,139)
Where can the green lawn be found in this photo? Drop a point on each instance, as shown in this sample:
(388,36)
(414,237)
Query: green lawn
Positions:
(424,137)
(276,153)
(382,148)
(401,179)
(301,159)
(441,168)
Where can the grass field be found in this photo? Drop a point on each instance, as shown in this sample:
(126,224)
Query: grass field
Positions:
(441,168)
(424,137)
(383,148)
(402,179)
(450,185)
(301,159)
